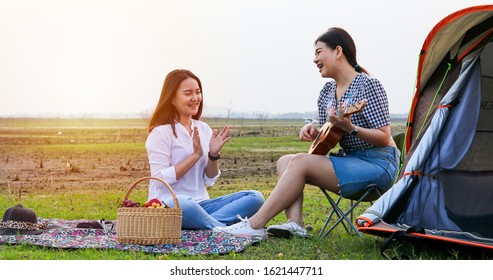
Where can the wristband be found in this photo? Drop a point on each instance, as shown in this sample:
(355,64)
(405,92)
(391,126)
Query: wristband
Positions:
(214,158)
(354,132)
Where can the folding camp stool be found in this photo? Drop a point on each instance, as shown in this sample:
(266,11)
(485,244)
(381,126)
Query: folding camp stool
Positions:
(369,194)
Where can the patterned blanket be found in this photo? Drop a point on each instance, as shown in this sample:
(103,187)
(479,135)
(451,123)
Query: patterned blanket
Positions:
(67,235)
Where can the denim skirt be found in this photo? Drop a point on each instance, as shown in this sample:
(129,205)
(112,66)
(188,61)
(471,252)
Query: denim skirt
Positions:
(359,168)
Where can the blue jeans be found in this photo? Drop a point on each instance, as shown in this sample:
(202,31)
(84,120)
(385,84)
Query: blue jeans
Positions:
(359,168)
(217,212)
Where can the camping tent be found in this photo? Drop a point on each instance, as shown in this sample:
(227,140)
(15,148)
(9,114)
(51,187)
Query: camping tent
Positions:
(445,188)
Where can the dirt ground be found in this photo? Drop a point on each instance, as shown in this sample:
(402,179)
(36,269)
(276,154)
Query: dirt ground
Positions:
(44,159)
(27,172)
(84,160)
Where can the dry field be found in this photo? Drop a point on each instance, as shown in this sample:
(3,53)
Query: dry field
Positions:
(49,155)
(69,159)
(90,155)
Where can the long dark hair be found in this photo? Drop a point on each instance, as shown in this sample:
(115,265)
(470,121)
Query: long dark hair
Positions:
(165,112)
(336,36)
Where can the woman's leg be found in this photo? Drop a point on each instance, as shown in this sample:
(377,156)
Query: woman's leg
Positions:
(194,216)
(226,208)
(293,212)
(288,194)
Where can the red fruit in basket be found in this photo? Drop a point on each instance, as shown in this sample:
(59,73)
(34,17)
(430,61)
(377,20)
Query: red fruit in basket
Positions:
(155,200)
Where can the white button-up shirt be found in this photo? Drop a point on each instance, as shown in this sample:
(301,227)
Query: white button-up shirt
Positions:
(164,151)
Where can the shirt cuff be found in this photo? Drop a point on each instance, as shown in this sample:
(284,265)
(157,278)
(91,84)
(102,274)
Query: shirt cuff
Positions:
(211,181)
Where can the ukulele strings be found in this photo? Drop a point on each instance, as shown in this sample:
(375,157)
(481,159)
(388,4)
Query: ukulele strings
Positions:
(345,105)
(348,102)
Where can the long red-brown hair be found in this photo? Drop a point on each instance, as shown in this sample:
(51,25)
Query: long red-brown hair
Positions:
(165,112)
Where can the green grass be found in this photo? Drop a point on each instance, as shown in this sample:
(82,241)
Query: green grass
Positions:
(279,144)
(339,245)
(81,206)
(79,149)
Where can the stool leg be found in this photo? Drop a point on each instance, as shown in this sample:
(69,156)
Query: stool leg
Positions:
(335,209)
(343,217)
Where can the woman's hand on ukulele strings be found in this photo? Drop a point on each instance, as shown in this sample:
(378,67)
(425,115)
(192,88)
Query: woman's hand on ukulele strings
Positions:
(339,120)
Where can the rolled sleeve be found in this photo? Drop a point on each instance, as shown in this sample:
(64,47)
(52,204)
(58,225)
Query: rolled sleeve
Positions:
(211,181)
(168,175)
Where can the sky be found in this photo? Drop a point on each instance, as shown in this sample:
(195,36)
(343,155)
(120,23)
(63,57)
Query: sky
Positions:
(90,57)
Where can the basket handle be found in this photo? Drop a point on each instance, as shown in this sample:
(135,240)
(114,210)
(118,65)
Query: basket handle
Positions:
(175,200)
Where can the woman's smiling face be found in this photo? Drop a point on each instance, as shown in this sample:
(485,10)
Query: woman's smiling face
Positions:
(325,59)
(187,98)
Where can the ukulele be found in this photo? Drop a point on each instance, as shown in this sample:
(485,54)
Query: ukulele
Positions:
(329,135)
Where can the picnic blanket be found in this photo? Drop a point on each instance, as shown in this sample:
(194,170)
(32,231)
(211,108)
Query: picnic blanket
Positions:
(67,235)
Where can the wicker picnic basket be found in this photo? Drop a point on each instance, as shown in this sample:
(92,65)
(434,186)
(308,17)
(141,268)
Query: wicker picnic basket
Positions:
(149,226)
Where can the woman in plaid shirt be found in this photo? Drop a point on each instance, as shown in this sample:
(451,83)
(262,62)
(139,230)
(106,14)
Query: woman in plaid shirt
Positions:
(368,155)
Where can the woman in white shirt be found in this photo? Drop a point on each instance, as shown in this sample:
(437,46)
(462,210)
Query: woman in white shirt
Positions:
(184,152)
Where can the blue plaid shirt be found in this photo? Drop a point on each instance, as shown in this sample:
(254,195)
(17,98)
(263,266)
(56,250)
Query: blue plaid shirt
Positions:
(374,115)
